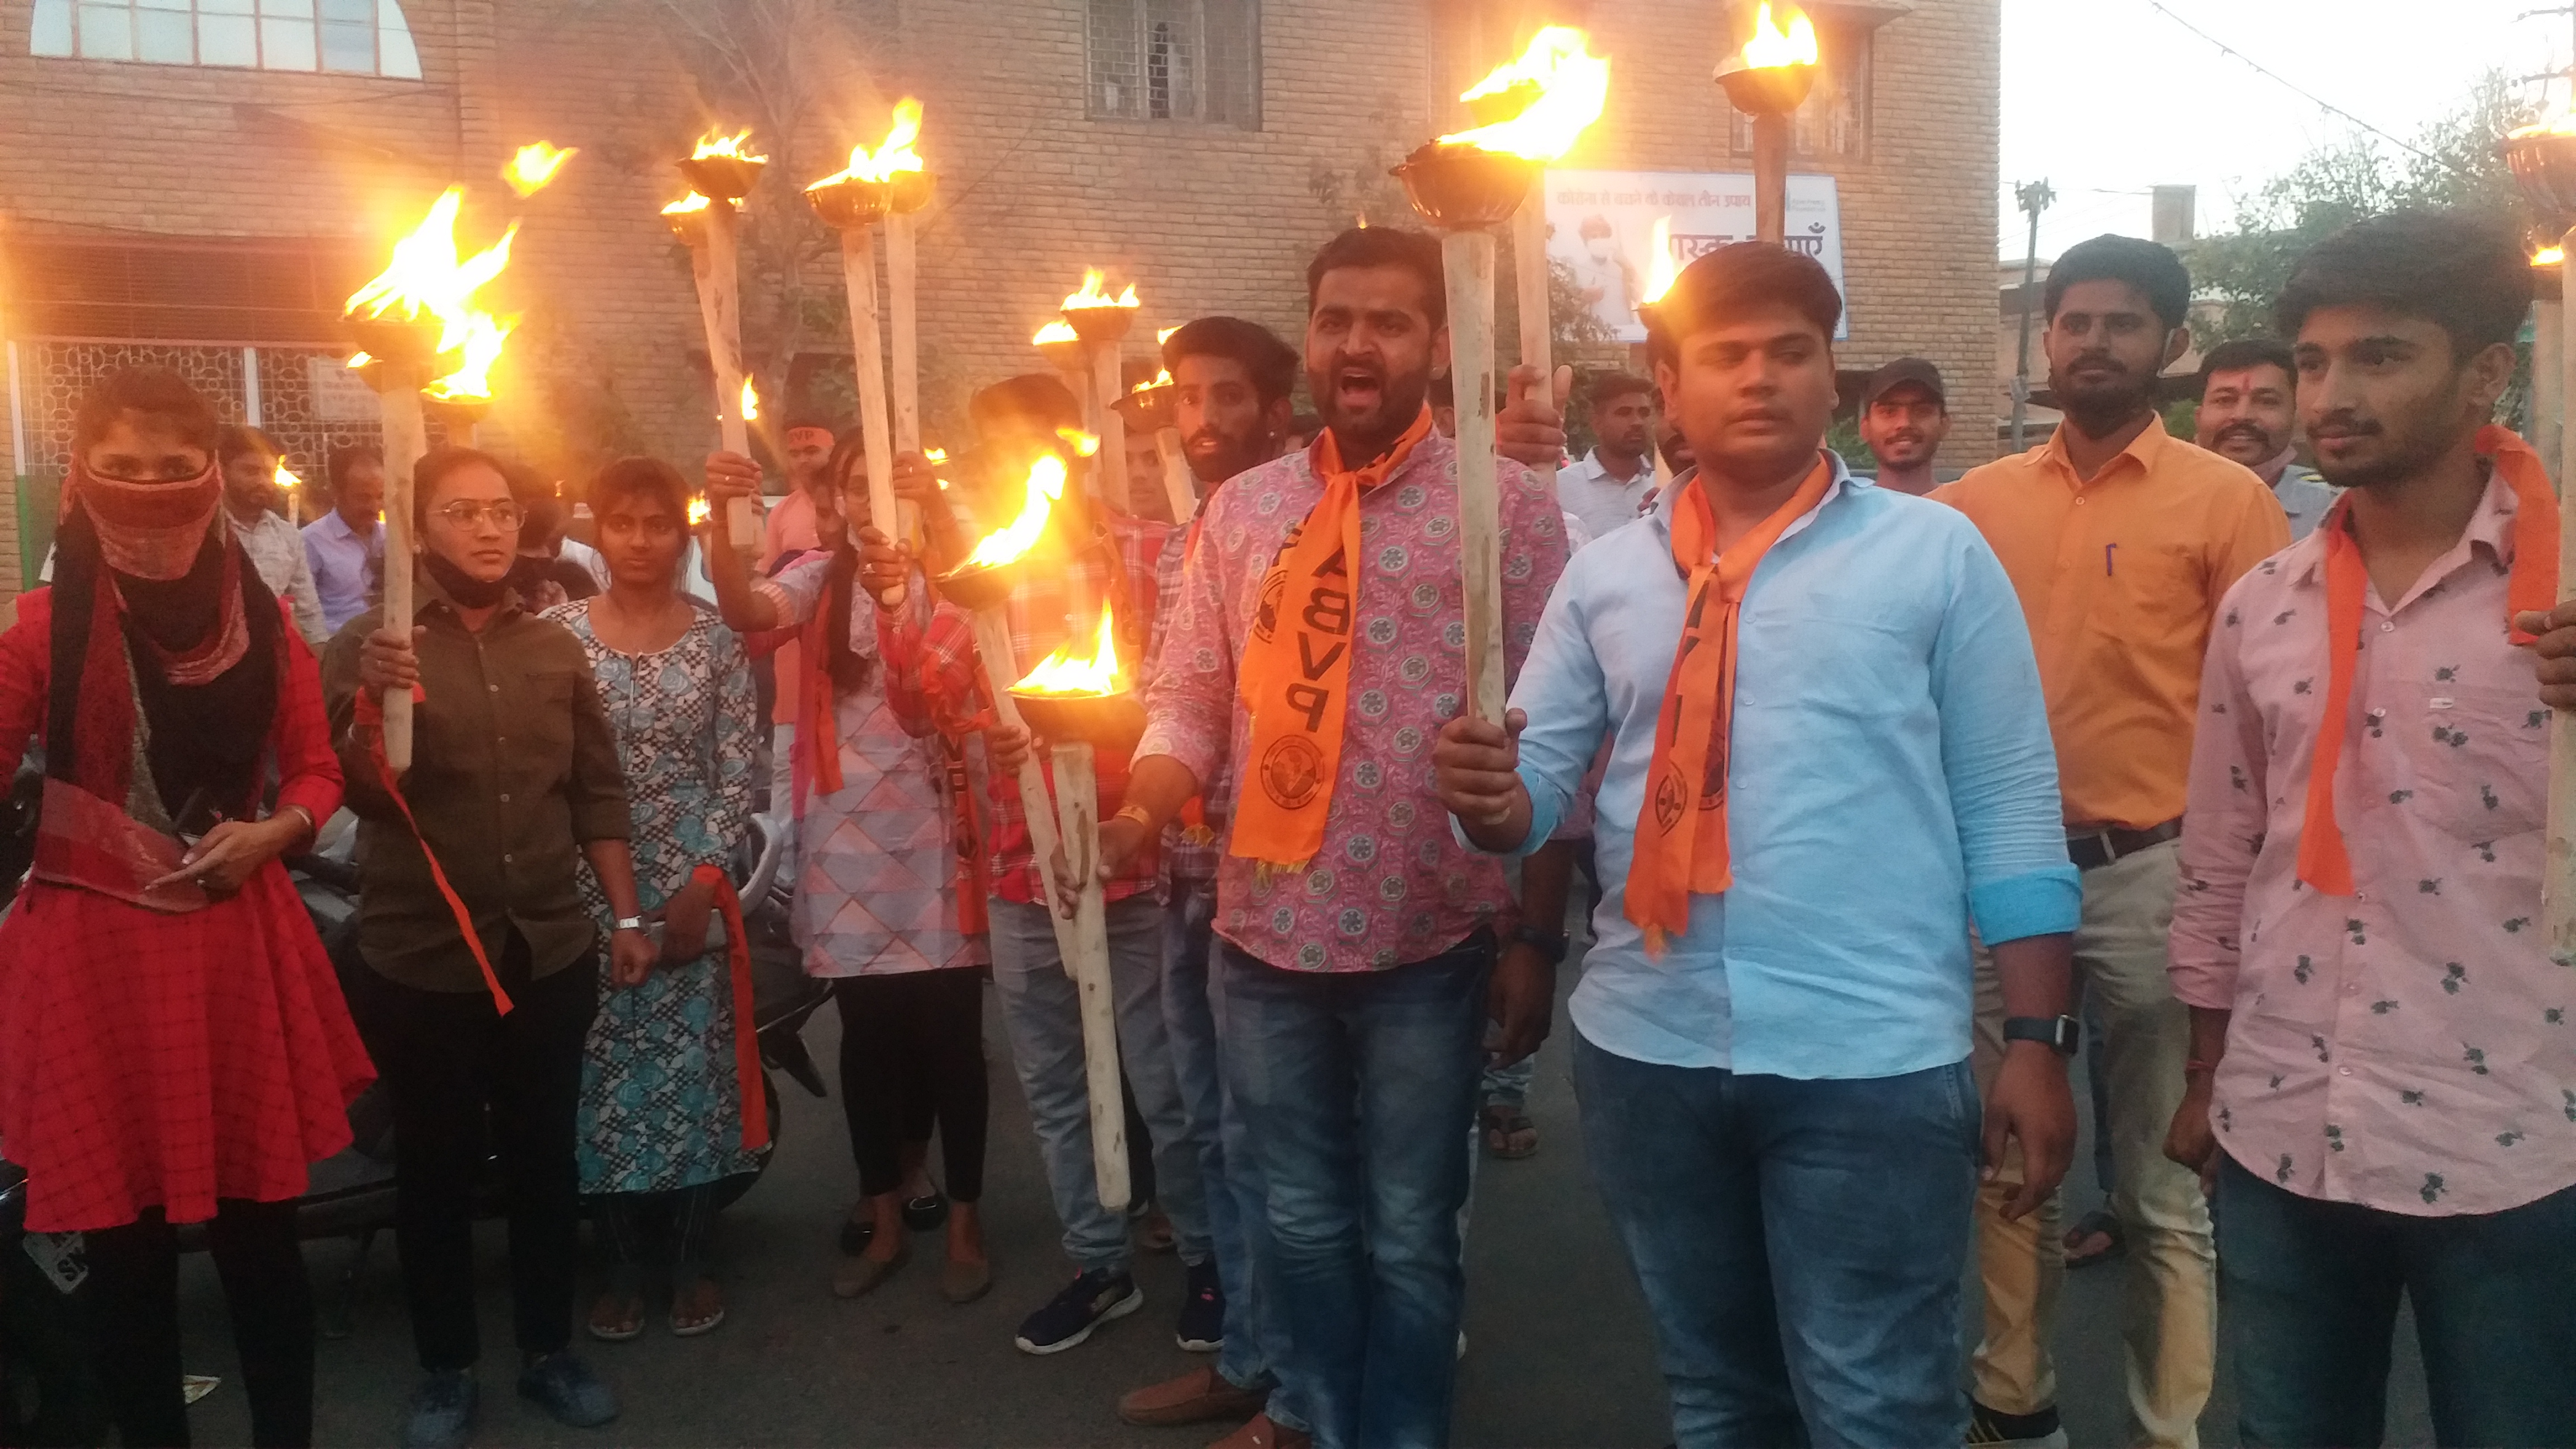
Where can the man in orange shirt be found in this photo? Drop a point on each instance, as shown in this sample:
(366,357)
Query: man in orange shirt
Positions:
(2120,540)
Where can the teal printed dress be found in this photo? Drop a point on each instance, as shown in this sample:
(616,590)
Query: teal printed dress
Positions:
(659,1106)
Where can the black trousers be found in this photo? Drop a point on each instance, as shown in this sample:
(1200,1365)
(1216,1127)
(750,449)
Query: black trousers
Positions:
(450,1063)
(134,1280)
(912,1055)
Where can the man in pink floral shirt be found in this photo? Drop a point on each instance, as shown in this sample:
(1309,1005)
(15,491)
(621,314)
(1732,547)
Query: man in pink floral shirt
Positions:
(2382,1054)
(1356,984)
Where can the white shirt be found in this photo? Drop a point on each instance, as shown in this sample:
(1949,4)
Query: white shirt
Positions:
(1594,494)
(276,549)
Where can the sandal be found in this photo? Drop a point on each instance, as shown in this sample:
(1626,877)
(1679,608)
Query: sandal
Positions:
(617,1317)
(700,1292)
(2101,1223)
(1509,1132)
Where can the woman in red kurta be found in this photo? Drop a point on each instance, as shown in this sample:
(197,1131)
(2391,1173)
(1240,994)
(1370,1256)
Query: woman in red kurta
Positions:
(173,1046)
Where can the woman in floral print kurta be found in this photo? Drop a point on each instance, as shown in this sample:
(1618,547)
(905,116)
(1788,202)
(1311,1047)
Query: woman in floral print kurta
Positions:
(660,1104)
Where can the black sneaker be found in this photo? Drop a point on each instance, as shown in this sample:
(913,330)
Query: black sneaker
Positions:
(442,1412)
(1993,1426)
(1202,1328)
(1089,1301)
(565,1387)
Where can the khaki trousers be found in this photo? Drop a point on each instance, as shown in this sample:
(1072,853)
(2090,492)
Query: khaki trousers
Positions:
(2170,1318)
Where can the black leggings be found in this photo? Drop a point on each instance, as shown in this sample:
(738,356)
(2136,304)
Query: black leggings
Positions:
(134,1280)
(682,1217)
(912,1055)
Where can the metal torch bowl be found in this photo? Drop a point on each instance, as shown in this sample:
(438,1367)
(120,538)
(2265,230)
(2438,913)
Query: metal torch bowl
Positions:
(457,413)
(850,203)
(1149,409)
(1109,723)
(1100,324)
(2544,166)
(1070,357)
(726,178)
(1465,188)
(909,191)
(976,588)
(395,339)
(1766,90)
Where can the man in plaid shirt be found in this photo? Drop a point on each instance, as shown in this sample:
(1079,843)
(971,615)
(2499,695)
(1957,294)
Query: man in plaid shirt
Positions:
(1090,559)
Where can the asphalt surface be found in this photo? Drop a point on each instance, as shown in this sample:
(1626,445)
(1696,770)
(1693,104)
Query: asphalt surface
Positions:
(1560,1351)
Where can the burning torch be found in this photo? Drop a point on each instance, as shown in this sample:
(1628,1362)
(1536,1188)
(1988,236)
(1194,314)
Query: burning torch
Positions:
(1101,321)
(1661,268)
(1465,185)
(1768,80)
(709,220)
(1148,405)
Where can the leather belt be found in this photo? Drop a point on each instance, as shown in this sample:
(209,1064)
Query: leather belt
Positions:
(2093,849)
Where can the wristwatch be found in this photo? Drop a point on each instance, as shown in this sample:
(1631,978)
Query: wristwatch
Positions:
(2061,1033)
(1548,943)
(627,923)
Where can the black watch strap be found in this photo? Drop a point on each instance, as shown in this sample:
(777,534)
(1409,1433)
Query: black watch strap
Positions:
(1548,943)
(2061,1034)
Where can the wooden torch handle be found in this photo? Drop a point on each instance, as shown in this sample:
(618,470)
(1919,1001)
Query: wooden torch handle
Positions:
(717,269)
(1529,268)
(903,337)
(1179,489)
(1078,788)
(1468,259)
(2558,876)
(406,436)
(1109,465)
(1002,670)
(859,278)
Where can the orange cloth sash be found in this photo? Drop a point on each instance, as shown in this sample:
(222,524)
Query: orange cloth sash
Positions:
(1681,824)
(2324,864)
(746,1032)
(1295,676)
(371,723)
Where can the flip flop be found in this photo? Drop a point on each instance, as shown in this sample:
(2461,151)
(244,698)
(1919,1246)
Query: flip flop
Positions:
(683,1329)
(634,1326)
(2105,1223)
(1503,1128)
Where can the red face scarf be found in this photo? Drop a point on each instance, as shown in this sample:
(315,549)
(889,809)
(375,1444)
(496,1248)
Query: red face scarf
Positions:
(1681,824)
(1296,670)
(2324,864)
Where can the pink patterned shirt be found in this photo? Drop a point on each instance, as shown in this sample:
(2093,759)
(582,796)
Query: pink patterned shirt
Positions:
(1391,885)
(2409,1047)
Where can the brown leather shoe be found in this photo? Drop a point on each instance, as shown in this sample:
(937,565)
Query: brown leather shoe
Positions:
(1262,1434)
(1198,1397)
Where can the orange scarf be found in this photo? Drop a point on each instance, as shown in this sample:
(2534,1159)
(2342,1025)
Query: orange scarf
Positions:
(1681,824)
(2324,864)
(1295,681)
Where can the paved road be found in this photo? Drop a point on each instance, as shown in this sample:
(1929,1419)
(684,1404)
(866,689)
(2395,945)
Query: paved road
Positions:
(1559,1348)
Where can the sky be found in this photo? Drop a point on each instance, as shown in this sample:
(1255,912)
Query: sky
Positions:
(2106,98)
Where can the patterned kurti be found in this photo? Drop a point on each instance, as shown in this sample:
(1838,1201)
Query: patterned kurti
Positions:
(660,1107)
(2408,1047)
(1391,884)
(875,884)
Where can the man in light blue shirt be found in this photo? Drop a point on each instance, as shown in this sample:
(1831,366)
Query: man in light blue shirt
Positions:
(1778,1105)
(2248,388)
(346,546)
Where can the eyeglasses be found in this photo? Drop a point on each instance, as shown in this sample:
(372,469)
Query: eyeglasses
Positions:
(468,513)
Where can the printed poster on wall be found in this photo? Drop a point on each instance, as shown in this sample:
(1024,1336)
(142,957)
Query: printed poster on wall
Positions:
(1601,224)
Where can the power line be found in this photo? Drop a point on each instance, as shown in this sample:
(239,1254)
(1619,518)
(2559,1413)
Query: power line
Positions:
(2260,69)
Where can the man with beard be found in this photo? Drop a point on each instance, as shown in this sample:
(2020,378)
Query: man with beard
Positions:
(1358,937)
(250,459)
(2119,538)
(2248,388)
(1604,489)
(1903,418)
(1232,382)
(789,528)
(2367,739)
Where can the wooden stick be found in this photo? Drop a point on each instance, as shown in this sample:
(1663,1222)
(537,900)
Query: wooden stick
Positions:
(2558,876)
(904,337)
(1002,670)
(717,270)
(1179,488)
(1111,461)
(1468,259)
(859,279)
(1771,179)
(1529,270)
(406,436)
(2548,379)
(1078,786)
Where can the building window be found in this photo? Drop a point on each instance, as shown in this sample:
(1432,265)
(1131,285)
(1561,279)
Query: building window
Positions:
(346,37)
(1176,60)
(1834,122)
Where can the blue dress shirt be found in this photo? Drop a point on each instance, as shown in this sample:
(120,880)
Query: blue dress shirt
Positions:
(1890,775)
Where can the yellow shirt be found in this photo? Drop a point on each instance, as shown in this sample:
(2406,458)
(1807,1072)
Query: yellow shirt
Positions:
(2120,579)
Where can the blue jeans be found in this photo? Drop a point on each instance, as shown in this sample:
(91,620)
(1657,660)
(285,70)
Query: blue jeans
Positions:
(1192,1008)
(1042,1016)
(1800,1244)
(1355,1090)
(2307,1299)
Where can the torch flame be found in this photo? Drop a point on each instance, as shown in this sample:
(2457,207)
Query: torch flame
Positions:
(1092,296)
(1058,330)
(750,402)
(1769,45)
(934,455)
(285,477)
(894,154)
(685,205)
(472,380)
(730,147)
(535,166)
(1660,269)
(2548,257)
(1083,444)
(425,277)
(360,359)
(1064,672)
(1164,335)
(700,511)
(1161,379)
(1007,544)
(1571,85)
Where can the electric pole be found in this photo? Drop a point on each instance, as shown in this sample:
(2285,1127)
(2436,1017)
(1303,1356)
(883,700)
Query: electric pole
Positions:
(2034,198)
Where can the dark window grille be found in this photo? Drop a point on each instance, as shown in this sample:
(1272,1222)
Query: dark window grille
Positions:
(151,289)
(1175,60)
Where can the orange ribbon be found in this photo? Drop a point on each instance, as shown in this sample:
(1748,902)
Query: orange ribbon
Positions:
(746,1034)
(371,719)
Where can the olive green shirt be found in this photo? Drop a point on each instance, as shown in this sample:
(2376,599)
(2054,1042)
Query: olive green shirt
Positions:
(514,768)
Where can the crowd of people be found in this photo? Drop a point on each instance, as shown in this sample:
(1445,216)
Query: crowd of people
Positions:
(1867,788)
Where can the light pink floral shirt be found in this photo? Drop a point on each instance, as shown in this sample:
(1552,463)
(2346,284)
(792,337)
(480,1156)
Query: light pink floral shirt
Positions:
(1391,885)
(2408,1047)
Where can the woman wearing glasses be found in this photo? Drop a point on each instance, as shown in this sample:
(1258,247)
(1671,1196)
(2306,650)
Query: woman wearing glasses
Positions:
(515,780)
(661,1095)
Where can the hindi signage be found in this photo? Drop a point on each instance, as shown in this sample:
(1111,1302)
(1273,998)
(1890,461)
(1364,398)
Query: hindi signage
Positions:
(339,395)
(1600,223)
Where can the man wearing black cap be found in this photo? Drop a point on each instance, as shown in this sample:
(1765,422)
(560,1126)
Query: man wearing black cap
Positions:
(1903,418)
